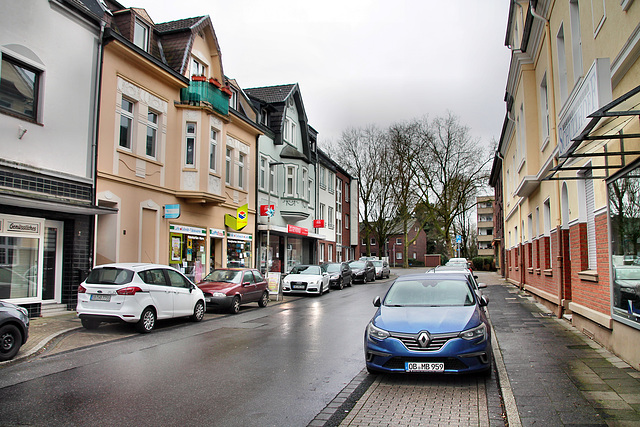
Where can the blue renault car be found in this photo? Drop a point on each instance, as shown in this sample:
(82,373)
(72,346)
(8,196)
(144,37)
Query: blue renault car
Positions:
(429,323)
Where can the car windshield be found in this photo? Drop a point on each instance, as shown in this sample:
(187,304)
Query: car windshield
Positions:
(429,293)
(109,276)
(377,263)
(230,276)
(306,269)
(357,264)
(332,268)
(628,273)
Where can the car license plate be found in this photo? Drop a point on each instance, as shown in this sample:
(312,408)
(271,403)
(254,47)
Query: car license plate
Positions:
(424,367)
(298,287)
(100,297)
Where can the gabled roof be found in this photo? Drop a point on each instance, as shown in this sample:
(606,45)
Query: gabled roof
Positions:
(272,94)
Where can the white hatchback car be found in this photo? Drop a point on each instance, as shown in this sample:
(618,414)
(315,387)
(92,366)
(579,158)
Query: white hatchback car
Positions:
(137,293)
(306,279)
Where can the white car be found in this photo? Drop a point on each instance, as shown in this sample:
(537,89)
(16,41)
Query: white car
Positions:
(139,294)
(306,279)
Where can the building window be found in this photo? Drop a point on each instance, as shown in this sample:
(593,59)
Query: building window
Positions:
(323,183)
(241,170)
(398,241)
(152,134)
(272,178)
(331,217)
(228,163)
(263,173)
(330,256)
(322,211)
(19,88)
(305,178)
(576,40)
(346,222)
(213,149)
(198,68)
(562,65)
(373,241)
(291,181)
(264,117)
(591,223)
(233,99)
(321,254)
(544,108)
(126,123)
(398,255)
(285,130)
(190,149)
(331,179)
(346,191)
(141,35)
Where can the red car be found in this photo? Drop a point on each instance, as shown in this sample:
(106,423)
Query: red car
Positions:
(228,288)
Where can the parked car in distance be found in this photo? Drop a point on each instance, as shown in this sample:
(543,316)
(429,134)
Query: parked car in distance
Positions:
(14,329)
(137,293)
(382,269)
(429,323)
(228,288)
(461,270)
(460,262)
(306,279)
(340,274)
(363,271)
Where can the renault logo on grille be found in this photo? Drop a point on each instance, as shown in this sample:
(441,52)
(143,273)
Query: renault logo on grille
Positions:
(424,339)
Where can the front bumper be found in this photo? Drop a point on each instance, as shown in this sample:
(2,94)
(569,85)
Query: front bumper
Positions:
(301,288)
(458,355)
(223,302)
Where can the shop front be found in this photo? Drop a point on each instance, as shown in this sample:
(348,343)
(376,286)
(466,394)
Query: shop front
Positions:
(286,247)
(187,249)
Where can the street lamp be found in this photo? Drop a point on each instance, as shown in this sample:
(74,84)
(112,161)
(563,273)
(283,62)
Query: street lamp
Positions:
(271,164)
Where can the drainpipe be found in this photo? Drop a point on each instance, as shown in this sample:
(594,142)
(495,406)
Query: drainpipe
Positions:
(552,134)
(94,136)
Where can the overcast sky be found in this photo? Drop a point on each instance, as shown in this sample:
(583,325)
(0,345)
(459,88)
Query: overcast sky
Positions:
(361,62)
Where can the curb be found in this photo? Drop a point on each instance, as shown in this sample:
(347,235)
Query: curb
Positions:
(42,344)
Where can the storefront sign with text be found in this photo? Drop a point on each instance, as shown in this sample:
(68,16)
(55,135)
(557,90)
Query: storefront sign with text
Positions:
(293,229)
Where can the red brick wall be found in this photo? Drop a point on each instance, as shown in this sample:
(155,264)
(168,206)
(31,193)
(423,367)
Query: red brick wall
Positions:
(594,295)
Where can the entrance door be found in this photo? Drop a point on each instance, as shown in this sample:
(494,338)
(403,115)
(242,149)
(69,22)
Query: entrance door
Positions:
(52,261)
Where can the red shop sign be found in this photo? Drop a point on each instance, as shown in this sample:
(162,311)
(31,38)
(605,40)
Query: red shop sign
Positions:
(318,223)
(293,229)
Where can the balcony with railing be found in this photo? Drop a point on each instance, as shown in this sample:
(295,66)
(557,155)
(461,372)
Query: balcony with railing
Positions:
(206,94)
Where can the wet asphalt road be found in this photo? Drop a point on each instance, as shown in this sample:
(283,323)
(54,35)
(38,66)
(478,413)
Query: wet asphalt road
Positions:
(278,366)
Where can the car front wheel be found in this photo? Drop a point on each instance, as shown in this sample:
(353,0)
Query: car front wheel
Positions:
(235,305)
(340,283)
(10,341)
(147,321)
(264,300)
(198,312)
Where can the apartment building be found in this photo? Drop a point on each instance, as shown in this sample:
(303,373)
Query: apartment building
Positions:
(569,170)
(484,224)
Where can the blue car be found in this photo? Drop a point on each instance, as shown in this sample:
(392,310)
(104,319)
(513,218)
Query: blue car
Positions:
(431,323)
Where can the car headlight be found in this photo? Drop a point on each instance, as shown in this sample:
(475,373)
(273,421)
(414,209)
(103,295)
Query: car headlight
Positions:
(23,310)
(475,333)
(219,294)
(375,332)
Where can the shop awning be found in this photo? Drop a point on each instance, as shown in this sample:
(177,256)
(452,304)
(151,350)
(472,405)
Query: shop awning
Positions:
(612,134)
(70,208)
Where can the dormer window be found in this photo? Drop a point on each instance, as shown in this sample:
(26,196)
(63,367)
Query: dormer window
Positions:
(233,99)
(263,117)
(141,35)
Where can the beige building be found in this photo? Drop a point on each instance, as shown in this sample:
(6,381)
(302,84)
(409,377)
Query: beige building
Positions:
(176,151)
(484,221)
(569,173)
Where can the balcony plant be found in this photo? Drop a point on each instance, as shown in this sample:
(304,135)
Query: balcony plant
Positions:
(200,78)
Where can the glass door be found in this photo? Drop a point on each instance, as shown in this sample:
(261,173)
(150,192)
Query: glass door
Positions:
(52,261)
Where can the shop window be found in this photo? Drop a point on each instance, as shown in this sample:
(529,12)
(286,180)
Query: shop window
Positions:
(238,251)
(624,225)
(19,88)
(188,251)
(18,267)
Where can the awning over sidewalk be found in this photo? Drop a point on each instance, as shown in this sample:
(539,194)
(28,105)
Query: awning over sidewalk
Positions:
(612,135)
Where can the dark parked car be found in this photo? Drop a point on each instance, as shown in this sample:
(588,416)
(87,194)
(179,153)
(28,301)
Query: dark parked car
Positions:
(429,323)
(340,274)
(363,271)
(228,288)
(14,329)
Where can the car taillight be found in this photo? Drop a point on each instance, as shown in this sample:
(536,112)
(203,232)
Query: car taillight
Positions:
(131,290)
(81,289)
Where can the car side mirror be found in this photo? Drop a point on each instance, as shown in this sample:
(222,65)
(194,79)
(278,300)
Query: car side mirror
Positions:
(377,302)
(482,285)
(484,301)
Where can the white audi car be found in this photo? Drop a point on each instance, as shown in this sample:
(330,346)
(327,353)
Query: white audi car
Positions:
(306,279)
(138,294)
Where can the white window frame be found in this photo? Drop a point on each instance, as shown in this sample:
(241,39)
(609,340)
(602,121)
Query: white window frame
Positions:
(228,162)
(152,127)
(331,217)
(190,139)
(544,109)
(262,180)
(331,181)
(241,170)
(291,189)
(213,149)
(141,35)
(197,67)
(305,178)
(36,110)
(127,115)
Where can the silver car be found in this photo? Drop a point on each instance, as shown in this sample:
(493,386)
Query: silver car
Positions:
(382,269)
